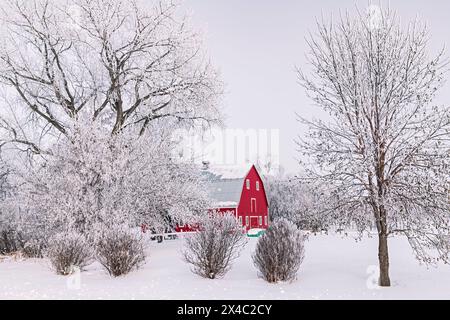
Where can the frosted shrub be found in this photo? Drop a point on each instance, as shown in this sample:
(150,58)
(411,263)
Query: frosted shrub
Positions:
(34,248)
(120,250)
(33,232)
(10,240)
(211,250)
(67,250)
(280,252)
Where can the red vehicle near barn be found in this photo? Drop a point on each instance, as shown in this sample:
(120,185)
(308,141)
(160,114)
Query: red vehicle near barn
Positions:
(239,192)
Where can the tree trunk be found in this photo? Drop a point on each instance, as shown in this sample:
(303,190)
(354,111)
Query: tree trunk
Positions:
(383,258)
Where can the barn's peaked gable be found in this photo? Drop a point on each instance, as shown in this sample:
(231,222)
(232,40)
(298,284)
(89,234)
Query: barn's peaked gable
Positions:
(262,188)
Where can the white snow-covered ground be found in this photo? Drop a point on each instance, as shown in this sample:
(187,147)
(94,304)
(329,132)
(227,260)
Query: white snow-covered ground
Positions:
(334,268)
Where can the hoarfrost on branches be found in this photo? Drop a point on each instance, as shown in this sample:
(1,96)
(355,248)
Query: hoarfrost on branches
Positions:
(125,63)
(293,200)
(382,158)
(10,239)
(92,91)
(280,251)
(96,180)
(212,249)
(120,250)
(67,251)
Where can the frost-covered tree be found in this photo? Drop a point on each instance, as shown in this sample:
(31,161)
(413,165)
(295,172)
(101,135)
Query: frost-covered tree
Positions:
(92,89)
(95,180)
(382,155)
(124,62)
(291,199)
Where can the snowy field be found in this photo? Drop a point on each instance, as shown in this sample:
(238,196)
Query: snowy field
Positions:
(334,268)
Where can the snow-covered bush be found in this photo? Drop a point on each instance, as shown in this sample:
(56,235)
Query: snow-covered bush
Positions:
(10,238)
(120,250)
(67,250)
(280,251)
(34,248)
(212,249)
(9,241)
(34,231)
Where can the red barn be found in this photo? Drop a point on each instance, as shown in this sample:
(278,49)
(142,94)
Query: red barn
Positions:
(240,192)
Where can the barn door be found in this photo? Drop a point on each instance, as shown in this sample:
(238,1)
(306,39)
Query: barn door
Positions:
(254,222)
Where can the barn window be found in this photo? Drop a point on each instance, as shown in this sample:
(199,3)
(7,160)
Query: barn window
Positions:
(260,220)
(257,185)
(265,220)
(253,205)
(240,221)
(246,221)
(247,183)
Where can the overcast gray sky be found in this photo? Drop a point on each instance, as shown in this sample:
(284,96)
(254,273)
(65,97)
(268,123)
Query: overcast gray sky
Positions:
(257,44)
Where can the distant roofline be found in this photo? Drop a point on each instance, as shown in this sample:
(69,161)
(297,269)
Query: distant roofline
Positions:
(225,207)
(229,172)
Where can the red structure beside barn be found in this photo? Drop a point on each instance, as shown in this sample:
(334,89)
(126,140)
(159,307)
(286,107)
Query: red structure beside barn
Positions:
(239,192)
